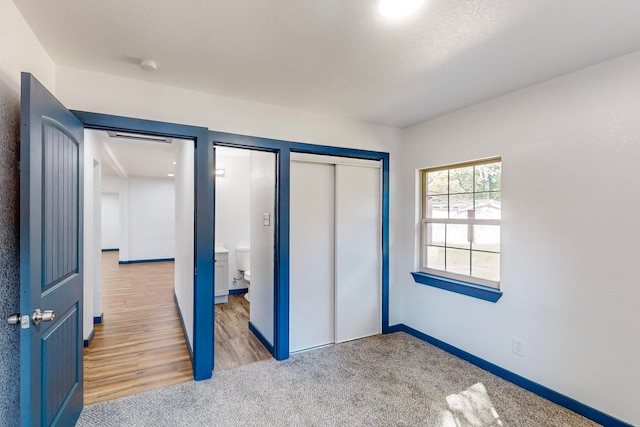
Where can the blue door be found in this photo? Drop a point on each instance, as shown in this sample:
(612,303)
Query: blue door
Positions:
(50,259)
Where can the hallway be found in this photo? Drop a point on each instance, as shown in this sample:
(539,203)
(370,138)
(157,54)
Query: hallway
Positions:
(140,345)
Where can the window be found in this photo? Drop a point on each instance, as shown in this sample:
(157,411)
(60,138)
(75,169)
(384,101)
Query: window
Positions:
(460,227)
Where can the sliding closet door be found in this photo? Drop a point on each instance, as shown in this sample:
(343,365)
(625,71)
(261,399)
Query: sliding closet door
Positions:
(311,321)
(358,252)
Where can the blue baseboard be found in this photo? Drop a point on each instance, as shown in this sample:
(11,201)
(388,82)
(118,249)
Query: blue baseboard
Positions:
(97,320)
(542,391)
(140,261)
(88,341)
(238,291)
(261,337)
(111,250)
(184,329)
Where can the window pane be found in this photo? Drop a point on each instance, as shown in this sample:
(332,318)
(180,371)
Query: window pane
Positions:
(460,205)
(461,180)
(486,238)
(437,207)
(434,234)
(459,261)
(488,205)
(435,258)
(485,265)
(488,177)
(437,182)
(458,236)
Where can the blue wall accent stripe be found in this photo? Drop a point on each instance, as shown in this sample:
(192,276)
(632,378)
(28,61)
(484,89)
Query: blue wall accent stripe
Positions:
(542,391)
(97,320)
(458,286)
(261,337)
(238,291)
(184,329)
(142,261)
(111,250)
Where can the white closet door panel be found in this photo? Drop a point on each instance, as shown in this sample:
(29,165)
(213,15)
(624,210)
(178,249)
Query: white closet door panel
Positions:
(312,296)
(358,253)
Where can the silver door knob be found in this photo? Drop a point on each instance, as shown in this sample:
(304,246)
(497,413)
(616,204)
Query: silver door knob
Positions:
(42,316)
(14,319)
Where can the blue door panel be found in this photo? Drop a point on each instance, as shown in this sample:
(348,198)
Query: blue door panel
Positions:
(60,375)
(51,212)
(59,205)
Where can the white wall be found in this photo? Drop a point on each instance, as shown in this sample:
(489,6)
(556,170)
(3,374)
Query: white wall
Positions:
(570,156)
(184,210)
(147,218)
(92,236)
(110,221)
(232,205)
(263,196)
(20,50)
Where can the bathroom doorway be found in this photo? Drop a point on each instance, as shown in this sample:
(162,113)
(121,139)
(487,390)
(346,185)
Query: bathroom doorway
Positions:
(245,224)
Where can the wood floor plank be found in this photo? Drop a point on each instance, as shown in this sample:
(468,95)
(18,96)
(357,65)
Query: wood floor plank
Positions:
(140,345)
(235,344)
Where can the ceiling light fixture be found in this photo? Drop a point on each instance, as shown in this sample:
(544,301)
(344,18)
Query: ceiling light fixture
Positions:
(394,9)
(148,65)
(170,174)
(219,172)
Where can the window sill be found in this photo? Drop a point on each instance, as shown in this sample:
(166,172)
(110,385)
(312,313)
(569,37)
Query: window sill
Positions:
(458,286)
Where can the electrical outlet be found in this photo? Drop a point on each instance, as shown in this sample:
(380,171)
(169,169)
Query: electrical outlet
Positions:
(517,347)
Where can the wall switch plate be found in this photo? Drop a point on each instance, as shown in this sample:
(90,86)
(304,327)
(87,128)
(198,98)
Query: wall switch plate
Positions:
(266,219)
(518,347)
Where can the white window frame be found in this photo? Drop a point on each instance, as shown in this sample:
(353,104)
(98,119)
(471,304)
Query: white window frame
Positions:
(424,222)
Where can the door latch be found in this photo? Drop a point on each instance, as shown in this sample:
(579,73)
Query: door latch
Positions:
(16,319)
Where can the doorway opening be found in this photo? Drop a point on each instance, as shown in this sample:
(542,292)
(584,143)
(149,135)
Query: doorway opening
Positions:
(139,256)
(245,224)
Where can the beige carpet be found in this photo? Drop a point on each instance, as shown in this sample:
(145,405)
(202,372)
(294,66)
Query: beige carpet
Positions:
(387,380)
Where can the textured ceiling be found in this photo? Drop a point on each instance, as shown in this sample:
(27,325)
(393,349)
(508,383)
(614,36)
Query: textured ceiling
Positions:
(339,57)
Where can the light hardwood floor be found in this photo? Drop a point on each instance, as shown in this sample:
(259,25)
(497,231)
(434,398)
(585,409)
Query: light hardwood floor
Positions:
(235,343)
(140,346)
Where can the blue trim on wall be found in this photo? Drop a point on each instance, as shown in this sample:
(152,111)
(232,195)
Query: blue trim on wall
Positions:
(281,301)
(88,341)
(202,359)
(261,337)
(111,250)
(542,391)
(184,329)
(142,261)
(238,291)
(97,320)
(458,286)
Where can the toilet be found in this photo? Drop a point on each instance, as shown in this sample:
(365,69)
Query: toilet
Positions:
(243,257)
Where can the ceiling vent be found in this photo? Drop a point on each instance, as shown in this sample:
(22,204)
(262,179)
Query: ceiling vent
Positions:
(140,137)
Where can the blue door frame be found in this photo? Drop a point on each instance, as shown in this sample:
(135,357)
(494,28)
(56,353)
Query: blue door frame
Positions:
(204,141)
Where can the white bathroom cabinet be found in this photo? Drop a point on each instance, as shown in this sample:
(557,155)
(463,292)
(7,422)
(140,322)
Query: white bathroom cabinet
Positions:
(221,275)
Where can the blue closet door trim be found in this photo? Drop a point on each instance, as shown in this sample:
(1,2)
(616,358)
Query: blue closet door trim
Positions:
(204,238)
